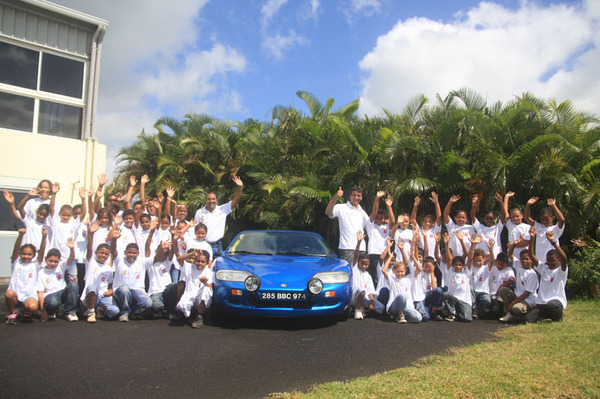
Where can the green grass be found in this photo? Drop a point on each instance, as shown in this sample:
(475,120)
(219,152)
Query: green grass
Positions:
(544,360)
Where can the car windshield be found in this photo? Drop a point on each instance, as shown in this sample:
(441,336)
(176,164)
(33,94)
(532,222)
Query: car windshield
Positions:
(279,243)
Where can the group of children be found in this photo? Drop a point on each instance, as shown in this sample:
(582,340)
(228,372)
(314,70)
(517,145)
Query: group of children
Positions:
(416,278)
(140,261)
(103,260)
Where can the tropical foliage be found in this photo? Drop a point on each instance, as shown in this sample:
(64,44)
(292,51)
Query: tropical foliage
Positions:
(293,163)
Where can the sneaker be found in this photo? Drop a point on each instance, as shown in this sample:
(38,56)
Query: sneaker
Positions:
(89,312)
(437,317)
(358,314)
(51,316)
(91,318)
(449,318)
(177,319)
(26,317)
(12,319)
(506,318)
(124,318)
(198,322)
(401,318)
(72,317)
(475,315)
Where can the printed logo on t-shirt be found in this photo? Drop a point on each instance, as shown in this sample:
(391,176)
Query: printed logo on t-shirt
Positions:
(30,275)
(59,276)
(551,279)
(103,279)
(164,271)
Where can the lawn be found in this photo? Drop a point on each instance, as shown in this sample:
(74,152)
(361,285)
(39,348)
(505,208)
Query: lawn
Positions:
(552,360)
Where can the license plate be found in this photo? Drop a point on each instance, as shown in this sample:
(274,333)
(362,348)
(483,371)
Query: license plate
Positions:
(283,296)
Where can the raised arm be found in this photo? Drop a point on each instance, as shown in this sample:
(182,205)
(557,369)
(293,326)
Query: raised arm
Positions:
(461,239)
(387,251)
(10,199)
(359,237)
(389,201)
(238,193)
(102,180)
(490,244)
(503,209)
(115,233)
(378,197)
(476,239)
(416,202)
(153,227)
(436,250)
(400,245)
(438,210)
(448,208)
(331,204)
(561,253)
(531,248)
(17,246)
(475,200)
(527,214)
(132,185)
(507,198)
(92,229)
(559,216)
(53,191)
(83,196)
(34,192)
(449,255)
(167,206)
(42,250)
(143,181)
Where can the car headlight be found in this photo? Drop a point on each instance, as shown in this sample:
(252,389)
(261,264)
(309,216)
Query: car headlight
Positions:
(315,286)
(232,275)
(252,283)
(333,277)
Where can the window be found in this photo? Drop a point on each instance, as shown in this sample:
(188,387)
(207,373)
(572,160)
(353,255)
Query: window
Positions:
(16,112)
(7,222)
(59,120)
(29,103)
(62,76)
(19,66)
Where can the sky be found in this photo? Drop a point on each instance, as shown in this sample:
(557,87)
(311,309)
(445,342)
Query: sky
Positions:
(237,59)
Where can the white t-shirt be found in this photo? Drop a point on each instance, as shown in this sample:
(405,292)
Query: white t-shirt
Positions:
(514,232)
(33,204)
(498,277)
(132,275)
(127,237)
(494,232)
(526,280)
(400,286)
(351,220)
(362,280)
(455,244)
(542,245)
(214,221)
(193,243)
(101,237)
(33,233)
(81,243)
(23,279)
(552,285)
(159,276)
(191,275)
(405,236)
(63,232)
(52,280)
(377,236)
(141,237)
(430,237)
(98,274)
(421,286)
(459,285)
(480,278)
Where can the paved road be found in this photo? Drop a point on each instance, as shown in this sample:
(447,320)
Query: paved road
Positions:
(248,359)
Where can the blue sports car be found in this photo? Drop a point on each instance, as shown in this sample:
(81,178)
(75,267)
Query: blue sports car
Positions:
(281,274)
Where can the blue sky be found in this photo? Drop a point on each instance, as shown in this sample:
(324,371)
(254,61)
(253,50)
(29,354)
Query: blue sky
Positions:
(236,59)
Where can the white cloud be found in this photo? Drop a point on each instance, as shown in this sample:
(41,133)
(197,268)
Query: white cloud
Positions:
(352,9)
(310,10)
(277,44)
(150,62)
(269,9)
(552,51)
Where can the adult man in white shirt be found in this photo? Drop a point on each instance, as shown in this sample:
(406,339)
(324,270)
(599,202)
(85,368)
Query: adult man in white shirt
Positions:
(352,219)
(214,216)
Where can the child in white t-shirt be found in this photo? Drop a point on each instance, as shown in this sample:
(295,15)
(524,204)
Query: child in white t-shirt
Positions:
(489,229)
(551,299)
(458,225)
(99,275)
(162,289)
(519,302)
(64,226)
(52,286)
(400,305)
(458,299)
(378,230)
(21,288)
(480,266)
(198,292)
(542,245)
(501,275)
(363,289)
(430,225)
(199,240)
(517,230)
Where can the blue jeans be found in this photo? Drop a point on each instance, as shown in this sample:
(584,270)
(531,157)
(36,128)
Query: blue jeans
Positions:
(68,296)
(166,300)
(482,301)
(433,299)
(104,303)
(131,300)
(377,306)
(175,274)
(400,305)
(461,309)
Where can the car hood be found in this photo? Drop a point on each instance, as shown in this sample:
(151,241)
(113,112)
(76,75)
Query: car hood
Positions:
(274,270)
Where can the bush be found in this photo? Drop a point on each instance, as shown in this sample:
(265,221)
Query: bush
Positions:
(584,273)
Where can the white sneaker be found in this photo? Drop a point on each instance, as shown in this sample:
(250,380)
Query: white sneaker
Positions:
(506,318)
(401,318)
(358,314)
(89,312)
(72,317)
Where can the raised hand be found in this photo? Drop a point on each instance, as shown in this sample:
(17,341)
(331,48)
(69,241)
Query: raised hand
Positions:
(475,199)
(389,200)
(145,179)
(417,201)
(93,227)
(475,239)
(531,232)
(454,198)
(490,243)
(55,188)
(9,197)
(238,181)
(550,236)
(102,180)
(34,192)
(82,193)
(551,202)
(170,192)
(132,181)
(532,200)
(446,238)
(498,197)
(434,197)
(360,235)
(340,192)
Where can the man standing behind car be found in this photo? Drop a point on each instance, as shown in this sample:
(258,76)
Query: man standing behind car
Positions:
(351,218)
(214,216)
